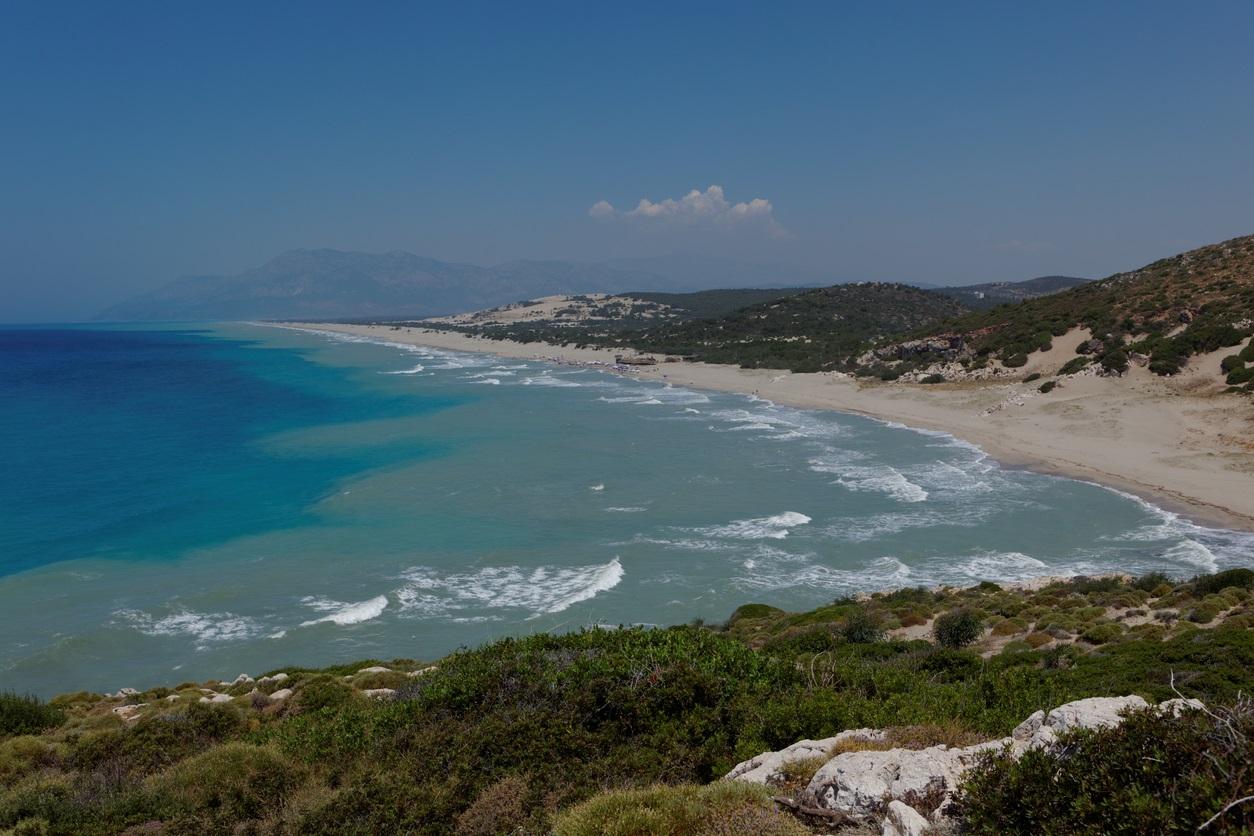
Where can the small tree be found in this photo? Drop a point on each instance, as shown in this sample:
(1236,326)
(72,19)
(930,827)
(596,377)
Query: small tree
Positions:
(957,628)
(1116,362)
(861,628)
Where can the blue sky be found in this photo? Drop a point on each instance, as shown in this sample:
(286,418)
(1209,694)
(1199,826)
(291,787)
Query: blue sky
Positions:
(953,142)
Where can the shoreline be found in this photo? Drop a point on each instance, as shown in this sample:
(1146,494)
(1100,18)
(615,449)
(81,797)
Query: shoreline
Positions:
(1159,440)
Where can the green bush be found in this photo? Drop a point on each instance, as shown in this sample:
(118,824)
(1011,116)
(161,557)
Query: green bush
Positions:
(233,782)
(1231,363)
(1152,774)
(26,714)
(933,378)
(1074,365)
(322,691)
(726,808)
(1033,376)
(861,628)
(1015,361)
(1150,581)
(1236,378)
(1102,633)
(1115,362)
(1047,387)
(1210,584)
(957,628)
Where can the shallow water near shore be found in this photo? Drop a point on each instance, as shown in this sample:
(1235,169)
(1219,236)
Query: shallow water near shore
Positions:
(183,503)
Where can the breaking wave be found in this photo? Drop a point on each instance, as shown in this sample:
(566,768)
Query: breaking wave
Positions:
(543,590)
(204,628)
(338,612)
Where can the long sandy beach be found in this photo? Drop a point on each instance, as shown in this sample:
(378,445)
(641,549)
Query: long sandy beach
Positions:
(1172,441)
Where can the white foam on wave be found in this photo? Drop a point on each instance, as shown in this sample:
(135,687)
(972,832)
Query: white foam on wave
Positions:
(626,509)
(775,527)
(205,628)
(883,479)
(343,614)
(415,370)
(489,381)
(494,373)
(542,590)
(866,528)
(547,379)
(1001,566)
(1193,553)
(882,573)
(1196,545)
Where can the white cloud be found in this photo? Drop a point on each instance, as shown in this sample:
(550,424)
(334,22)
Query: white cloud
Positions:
(705,208)
(601,209)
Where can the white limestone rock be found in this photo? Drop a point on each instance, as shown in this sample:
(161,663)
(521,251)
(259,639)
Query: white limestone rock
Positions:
(860,782)
(217,698)
(900,819)
(128,712)
(375,669)
(1092,713)
(768,766)
(379,693)
(281,694)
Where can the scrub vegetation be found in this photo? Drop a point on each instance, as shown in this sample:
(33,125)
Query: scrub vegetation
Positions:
(630,729)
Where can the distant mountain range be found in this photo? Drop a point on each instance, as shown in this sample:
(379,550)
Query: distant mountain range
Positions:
(334,284)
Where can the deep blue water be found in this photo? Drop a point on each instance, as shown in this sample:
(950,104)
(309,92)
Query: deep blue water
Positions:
(143,443)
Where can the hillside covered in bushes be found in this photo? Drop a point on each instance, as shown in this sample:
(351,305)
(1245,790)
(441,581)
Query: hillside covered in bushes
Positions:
(629,730)
(1192,303)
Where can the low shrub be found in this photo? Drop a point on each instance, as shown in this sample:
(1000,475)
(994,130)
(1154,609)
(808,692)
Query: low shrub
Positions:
(1208,584)
(1115,362)
(1047,387)
(498,808)
(1240,376)
(1102,633)
(933,378)
(1152,774)
(1015,361)
(1037,640)
(725,808)
(1033,376)
(1151,581)
(957,628)
(26,714)
(233,782)
(322,691)
(1074,365)
(861,628)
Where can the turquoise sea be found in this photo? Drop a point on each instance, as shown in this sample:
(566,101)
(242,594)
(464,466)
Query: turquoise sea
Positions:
(180,503)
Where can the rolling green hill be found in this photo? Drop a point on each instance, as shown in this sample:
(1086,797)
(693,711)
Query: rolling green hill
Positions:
(811,331)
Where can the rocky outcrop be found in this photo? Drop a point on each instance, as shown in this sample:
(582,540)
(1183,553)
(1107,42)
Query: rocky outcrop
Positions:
(768,767)
(860,782)
(891,784)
